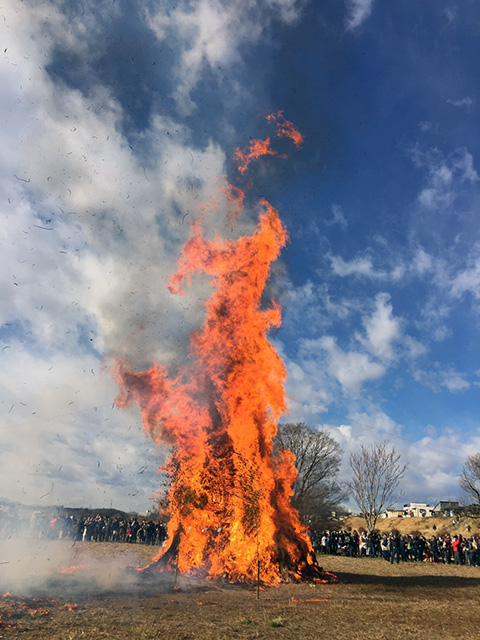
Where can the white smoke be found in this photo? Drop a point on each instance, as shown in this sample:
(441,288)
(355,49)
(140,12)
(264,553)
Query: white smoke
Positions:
(95,212)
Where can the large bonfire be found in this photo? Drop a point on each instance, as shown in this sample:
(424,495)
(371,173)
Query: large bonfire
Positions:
(230,492)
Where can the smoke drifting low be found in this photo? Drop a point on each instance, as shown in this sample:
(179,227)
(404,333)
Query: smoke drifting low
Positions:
(76,571)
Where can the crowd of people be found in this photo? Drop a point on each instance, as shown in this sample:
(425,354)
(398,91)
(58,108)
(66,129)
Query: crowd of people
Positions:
(132,529)
(98,528)
(448,549)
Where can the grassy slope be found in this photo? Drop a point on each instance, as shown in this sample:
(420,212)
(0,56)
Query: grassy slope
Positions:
(423,525)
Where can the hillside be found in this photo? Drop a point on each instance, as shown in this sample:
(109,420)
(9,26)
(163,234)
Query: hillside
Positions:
(424,526)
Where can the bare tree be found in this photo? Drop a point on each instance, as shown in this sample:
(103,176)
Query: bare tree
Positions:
(376,475)
(318,456)
(470,477)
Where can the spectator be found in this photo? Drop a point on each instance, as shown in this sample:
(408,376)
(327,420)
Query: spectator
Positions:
(456,544)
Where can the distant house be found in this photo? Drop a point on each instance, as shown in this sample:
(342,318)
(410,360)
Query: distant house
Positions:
(446,508)
(418,510)
(352,513)
(392,513)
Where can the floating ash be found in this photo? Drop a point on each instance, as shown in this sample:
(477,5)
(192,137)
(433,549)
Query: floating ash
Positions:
(230,493)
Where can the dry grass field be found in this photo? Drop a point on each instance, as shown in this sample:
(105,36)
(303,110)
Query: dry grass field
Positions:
(101,600)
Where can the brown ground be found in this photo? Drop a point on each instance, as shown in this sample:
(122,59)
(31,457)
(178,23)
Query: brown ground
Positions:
(374,601)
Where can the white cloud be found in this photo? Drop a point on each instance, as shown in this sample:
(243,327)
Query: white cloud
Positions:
(435,464)
(345,431)
(308,387)
(466,102)
(350,368)
(413,348)
(434,318)
(211,32)
(434,461)
(307,390)
(360,266)
(422,261)
(357,12)
(376,422)
(451,13)
(456,382)
(382,329)
(467,280)
(446,177)
(440,377)
(425,125)
(338,217)
(314,306)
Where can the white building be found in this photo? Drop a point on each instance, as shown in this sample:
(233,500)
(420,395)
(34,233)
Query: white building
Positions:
(418,510)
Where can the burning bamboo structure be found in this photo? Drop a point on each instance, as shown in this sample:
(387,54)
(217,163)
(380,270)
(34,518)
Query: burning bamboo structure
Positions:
(230,493)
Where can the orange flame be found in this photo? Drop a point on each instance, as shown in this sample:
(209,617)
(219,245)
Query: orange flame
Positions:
(258,148)
(300,600)
(72,569)
(286,129)
(235,198)
(255,149)
(229,499)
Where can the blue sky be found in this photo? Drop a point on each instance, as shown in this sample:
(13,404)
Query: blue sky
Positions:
(119,118)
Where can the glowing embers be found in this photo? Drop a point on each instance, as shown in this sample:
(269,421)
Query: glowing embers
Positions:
(73,569)
(229,497)
(14,610)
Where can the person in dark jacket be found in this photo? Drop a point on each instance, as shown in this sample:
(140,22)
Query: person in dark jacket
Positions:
(394,544)
(433,546)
